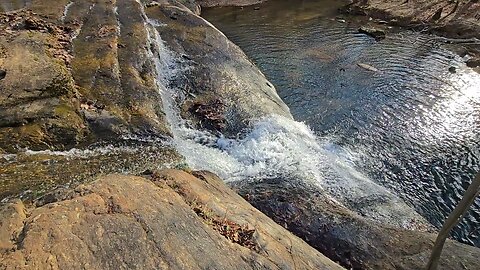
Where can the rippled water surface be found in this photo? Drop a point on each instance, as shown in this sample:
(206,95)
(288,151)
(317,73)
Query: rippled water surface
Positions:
(413,124)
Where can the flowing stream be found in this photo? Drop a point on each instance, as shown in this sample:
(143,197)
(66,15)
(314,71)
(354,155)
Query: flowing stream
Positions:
(411,126)
(276,147)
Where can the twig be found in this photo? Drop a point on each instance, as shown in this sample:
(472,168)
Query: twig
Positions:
(452,220)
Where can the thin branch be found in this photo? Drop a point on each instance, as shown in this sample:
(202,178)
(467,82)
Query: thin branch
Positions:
(452,220)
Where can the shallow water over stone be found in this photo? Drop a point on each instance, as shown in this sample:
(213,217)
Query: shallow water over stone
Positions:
(411,116)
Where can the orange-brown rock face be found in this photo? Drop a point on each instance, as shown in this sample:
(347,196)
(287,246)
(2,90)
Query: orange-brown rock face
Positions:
(174,221)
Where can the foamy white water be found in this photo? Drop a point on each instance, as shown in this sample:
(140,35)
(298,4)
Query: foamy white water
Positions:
(275,147)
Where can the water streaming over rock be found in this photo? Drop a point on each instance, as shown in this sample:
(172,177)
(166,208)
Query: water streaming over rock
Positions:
(274,147)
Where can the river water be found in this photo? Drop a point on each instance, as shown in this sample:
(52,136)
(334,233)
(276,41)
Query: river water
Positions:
(412,126)
(408,130)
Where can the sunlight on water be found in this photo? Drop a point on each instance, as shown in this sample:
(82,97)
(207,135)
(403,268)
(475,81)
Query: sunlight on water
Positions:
(413,125)
(276,147)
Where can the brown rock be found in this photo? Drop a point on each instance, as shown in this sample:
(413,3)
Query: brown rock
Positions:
(125,222)
(375,32)
(37,109)
(456,19)
(223,3)
(11,224)
(474,62)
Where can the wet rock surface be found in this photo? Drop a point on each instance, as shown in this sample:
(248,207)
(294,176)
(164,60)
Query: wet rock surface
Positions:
(213,68)
(453,18)
(31,175)
(77,82)
(346,237)
(125,222)
(375,32)
(76,76)
(239,3)
(72,79)
(112,68)
(456,20)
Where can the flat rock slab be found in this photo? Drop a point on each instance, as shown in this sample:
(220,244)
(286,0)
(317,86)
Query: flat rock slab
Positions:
(172,221)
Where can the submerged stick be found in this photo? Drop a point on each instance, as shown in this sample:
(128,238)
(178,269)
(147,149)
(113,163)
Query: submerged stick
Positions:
(452,220)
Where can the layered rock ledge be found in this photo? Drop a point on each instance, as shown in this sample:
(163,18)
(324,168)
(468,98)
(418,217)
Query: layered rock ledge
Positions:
(174,220)
(458,21)
(80,78)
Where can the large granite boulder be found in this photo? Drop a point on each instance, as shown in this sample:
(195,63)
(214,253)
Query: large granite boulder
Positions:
(173,221)
(218,87)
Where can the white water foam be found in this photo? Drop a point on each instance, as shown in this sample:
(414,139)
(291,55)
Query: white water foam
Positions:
(65,11)
(275,147)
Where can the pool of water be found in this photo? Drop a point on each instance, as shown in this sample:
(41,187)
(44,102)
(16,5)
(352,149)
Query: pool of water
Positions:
(412,116)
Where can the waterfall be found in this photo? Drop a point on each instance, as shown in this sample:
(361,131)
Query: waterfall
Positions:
(275,147)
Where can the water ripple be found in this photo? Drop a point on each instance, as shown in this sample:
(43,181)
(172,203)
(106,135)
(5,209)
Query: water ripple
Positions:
(414,123)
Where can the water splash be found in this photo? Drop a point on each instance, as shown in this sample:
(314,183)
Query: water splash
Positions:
(276,147)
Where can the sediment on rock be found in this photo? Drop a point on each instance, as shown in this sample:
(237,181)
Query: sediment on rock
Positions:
(124,222)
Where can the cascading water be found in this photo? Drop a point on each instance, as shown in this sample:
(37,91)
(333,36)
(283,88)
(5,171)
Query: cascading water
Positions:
(275,147)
